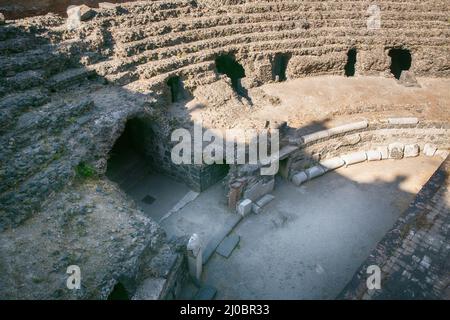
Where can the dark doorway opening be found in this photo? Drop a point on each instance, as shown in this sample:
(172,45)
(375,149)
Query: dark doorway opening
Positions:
(119,293)
(226,64)
(127,155)
(177,91)
(400,60)
(279,66)
(351,61)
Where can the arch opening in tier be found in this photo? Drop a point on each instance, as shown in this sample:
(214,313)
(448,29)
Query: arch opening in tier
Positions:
(227,64)
(351,61)
(177,90)
(279,66)
(400,61)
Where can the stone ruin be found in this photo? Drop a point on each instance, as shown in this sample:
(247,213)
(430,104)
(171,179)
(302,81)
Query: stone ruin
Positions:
(69,91)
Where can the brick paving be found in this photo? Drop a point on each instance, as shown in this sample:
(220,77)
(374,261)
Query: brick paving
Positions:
(414,255)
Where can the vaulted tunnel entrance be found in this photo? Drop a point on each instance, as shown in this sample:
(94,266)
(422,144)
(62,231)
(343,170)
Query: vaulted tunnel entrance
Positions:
(351,61)
(177,90)
(279,66)
(135,164)
(226,64)
(400,60)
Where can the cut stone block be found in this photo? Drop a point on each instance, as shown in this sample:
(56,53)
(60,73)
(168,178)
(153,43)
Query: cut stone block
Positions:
(206,293)
(299,178)
(227,246)
(314,172)
(331,164)
(244,207)
(258,205)
(396,150)
(384,152)
(264,200)
(355,157)
(348,127)
(259,189)
(315,136)
(411,150)
(429,149)
(374,155)
(408,120)
(150,289)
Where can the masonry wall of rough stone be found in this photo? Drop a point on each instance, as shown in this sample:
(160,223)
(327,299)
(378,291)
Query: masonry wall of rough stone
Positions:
(305,151)
(413,256)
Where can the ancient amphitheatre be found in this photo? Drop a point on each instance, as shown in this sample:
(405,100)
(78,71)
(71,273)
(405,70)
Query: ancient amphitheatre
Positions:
(358,91)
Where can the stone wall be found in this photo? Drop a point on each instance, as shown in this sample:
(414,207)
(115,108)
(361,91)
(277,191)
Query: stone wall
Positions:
(305,151)
(413,256)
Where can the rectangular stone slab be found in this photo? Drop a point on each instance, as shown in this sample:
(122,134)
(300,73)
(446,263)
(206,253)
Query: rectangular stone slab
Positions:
(214,242)
(227,246)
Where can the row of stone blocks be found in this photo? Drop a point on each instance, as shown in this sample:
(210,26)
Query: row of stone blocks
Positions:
(395,150)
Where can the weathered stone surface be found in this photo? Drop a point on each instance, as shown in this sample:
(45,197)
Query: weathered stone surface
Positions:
(244,207)
(396,150)
(258,206)
(314,172)
(384,152)
(332,164)
(404,120)
(259,189)
(374,155)
(408,79)
(150,289)
(348,127)
(411,150)
(429,149)
(355,157)
(227,246)
(299,178)
(2,19)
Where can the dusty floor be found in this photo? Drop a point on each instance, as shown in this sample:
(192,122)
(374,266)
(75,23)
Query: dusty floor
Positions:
(330,100)
(310,240)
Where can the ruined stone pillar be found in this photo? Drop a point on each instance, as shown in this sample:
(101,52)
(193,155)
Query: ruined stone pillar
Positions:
(195,261)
